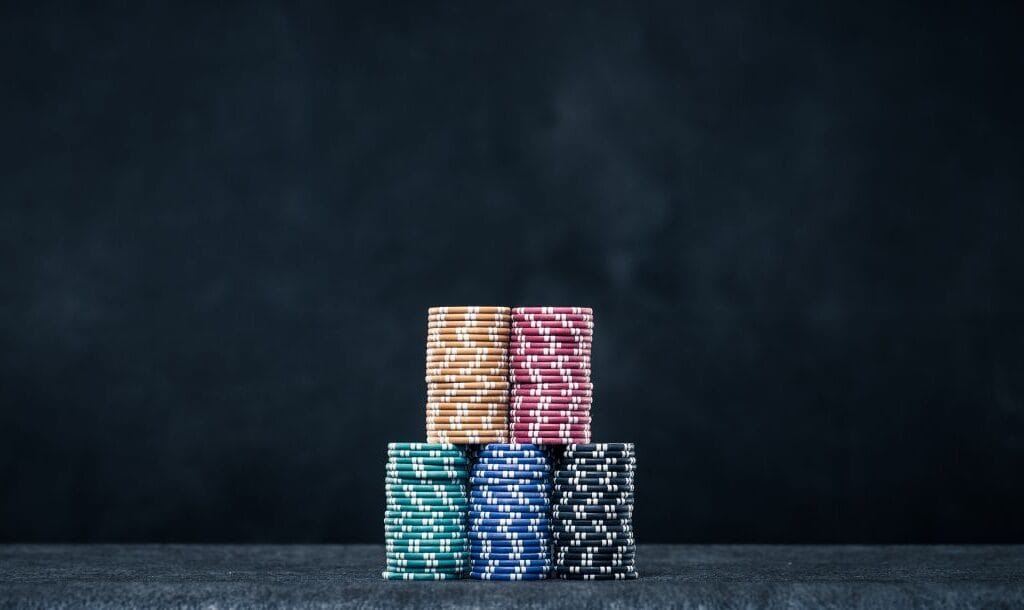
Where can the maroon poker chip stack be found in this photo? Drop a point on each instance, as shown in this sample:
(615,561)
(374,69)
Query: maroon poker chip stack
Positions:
(549,373)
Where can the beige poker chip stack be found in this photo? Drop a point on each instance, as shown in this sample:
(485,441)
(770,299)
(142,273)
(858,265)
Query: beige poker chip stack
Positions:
(467,374)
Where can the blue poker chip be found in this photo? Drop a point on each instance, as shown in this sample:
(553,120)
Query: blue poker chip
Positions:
(536,509)
(475,535)
(500,481)
(508,546)
(483,473)
(510,563)
(512,556)
(532,521)
(527,487)
(508,494)
(512,529)
(513,467)
(493,576)
(506,515)
(510,569)
(520,502)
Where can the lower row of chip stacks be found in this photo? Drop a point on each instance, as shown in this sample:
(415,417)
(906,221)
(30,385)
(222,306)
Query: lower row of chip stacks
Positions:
(509,513)
(592,512)
(425,518)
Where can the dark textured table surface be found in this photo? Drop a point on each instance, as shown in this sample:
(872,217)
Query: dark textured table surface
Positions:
(215,576)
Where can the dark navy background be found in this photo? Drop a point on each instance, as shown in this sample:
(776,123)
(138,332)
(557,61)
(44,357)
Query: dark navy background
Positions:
(799,225)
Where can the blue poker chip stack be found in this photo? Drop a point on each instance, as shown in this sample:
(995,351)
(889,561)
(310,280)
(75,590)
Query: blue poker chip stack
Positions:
(509,513)
(592,512)
(425,520)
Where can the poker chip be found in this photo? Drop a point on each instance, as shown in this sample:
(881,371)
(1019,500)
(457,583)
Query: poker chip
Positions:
(451,556)
(482,465)
(513,522)
(386,575)
(518,311)
(493,576)
(405,521)
(510,563)
(514,556)
(529,316)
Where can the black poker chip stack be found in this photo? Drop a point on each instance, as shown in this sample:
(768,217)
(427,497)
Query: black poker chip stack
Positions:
(592,512)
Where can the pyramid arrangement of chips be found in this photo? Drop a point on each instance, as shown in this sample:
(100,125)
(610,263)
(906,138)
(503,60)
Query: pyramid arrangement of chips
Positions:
(508,486)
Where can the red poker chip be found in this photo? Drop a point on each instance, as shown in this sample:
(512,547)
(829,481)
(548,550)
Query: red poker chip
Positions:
(542,416)
(553,321)
(516,401)
(552,317)
(567,430)
(536,351)
(549,345)
(548,379)
(549,372)
(576,385)
(552,358)
(570,410)
(553,393)
(554,365)
(554,419)
(573,310)
(527,439)
(560,410)
(552,330)
(522,369)
(546,338)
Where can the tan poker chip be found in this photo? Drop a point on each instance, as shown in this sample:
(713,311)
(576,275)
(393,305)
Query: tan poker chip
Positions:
(469,385)
(466,309)
(456,378)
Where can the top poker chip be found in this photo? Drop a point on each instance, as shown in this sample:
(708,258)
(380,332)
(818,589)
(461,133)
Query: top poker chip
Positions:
(476,309)
(552,310)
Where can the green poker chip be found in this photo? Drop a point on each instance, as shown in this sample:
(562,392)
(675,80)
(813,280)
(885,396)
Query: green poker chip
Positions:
(458,482)
(415,453)
(443,564)
(441,556)
(450,488)
(457,468)
(424,535)
(419,576)
(424,514)
(424,528)
(403,521)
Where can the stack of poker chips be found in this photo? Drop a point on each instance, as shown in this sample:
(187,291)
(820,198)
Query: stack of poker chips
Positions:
(467,374)
(549,367)
(592,512)
(425,520)
(509,514)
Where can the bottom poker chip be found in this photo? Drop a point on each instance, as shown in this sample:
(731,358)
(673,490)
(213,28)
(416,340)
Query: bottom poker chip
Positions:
(626,576)
(420,576)
(493,576)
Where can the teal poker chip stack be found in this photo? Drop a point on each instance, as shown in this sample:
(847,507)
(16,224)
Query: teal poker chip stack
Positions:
(425,520)
(592,512)
(509,513)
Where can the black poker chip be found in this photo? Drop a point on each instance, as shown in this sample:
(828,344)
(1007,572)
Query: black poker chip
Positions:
(588,461)
(592,528)
(574,502)
(597,468)
(592,522)
(586,488)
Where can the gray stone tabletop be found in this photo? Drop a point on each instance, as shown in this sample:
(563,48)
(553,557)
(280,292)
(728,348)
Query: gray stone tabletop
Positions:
(672,576)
